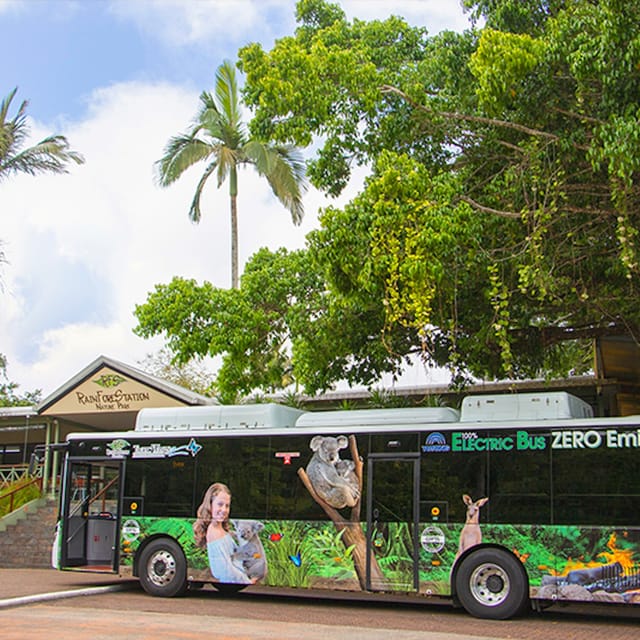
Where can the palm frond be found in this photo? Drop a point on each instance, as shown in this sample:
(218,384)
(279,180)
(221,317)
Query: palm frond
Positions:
(209,117)
(284,169)
(4,106)
(227,93)
(219,124)
(194,209)
(181,153)
(49,155)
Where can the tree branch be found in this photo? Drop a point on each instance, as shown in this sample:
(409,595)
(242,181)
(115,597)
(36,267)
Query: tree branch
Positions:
(505,124)
(480,207)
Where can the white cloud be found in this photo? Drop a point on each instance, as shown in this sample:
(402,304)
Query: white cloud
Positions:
(85,248)
(186,22)
(180,22)
(435,15)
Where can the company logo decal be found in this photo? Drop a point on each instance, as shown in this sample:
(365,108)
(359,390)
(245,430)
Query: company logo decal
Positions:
(118,448)
(435,443)
(121,448)
(130,530)
(432,539)
(109,380)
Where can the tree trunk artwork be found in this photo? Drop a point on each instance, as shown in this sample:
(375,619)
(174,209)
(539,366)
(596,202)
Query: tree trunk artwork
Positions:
(353,533)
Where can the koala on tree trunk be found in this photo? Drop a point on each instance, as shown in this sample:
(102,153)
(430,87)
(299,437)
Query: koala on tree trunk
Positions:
(332,478)
(347,479)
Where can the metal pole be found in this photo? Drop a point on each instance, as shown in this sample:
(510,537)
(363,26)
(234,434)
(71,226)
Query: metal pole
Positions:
(56,457)
(47,456)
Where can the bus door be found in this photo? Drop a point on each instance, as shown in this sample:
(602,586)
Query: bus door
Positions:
(393,511)
(91,515)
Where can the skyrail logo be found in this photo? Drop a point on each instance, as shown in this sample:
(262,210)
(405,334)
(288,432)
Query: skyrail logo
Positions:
(157,450)
(435,443)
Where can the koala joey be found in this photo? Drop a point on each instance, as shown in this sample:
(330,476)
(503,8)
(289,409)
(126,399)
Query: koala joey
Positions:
(249,554)
(333,479)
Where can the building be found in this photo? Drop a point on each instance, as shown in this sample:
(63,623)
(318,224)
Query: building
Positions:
(105,396)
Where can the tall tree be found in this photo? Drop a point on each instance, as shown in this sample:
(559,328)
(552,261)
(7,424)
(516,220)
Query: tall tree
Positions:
(219,138)
(52,154)
(500,230)
(535,119)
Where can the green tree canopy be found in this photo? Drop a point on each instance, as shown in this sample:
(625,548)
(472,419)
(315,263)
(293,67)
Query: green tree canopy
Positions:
(250,327)
(498,232)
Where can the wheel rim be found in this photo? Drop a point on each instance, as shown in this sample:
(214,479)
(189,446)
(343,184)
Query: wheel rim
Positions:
(489,584)
(161,568)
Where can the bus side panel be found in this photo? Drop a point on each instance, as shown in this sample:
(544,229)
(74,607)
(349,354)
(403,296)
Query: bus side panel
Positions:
(296,553)
(563,563)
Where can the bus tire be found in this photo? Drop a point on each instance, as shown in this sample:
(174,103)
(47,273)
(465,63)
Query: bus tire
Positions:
(163,569)
(491,583)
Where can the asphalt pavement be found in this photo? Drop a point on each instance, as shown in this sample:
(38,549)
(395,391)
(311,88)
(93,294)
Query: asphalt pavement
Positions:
(36,587)
(27,612)
(25,586)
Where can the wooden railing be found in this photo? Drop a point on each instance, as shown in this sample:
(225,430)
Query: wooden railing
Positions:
(12,498)
(10,473)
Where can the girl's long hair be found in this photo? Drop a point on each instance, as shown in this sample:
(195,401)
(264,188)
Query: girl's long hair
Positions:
(204,514)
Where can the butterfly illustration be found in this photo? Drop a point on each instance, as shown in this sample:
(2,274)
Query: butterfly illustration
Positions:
(276,537)
(297,560)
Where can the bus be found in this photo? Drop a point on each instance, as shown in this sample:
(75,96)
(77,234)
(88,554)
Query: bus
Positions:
(510,503)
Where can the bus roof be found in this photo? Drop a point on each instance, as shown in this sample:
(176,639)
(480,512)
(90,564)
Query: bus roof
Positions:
(214,417)
(530,411)
(375,417)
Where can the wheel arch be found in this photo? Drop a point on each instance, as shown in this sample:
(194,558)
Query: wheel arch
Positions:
(478,547)
(146,543)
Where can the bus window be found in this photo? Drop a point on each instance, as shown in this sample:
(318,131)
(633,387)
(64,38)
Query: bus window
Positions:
(287,495)
(596,485)
(519,481)
(241,464)
(166,485)
(447,476)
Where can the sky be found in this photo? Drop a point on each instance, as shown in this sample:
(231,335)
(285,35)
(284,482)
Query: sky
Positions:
(118,78)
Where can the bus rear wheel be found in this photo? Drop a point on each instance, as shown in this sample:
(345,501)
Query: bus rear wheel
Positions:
(491,583)
(163,569)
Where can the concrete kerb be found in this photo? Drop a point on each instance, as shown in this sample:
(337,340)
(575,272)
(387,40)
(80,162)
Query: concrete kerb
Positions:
(60,595)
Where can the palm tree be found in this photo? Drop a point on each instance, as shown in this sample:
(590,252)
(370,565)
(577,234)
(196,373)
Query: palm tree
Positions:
(49,155)
(219,138)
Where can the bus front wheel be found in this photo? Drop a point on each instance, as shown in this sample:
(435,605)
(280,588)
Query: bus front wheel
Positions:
(163,569)
(491,583)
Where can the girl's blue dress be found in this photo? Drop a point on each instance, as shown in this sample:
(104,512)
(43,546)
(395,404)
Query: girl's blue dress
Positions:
(220,563)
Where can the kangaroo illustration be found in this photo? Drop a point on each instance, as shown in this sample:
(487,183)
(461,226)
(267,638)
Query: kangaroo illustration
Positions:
(471,535)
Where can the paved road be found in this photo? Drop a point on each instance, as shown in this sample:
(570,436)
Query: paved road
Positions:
(257,614)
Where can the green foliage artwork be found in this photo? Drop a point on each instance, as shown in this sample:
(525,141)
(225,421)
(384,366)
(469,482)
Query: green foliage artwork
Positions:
(312,555)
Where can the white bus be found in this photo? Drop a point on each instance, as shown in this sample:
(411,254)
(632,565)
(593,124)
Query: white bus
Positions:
(514,501)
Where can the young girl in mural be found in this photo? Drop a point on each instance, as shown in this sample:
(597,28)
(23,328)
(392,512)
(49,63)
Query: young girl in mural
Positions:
(211,532)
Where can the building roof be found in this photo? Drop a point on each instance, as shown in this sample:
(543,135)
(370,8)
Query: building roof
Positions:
(108,394)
